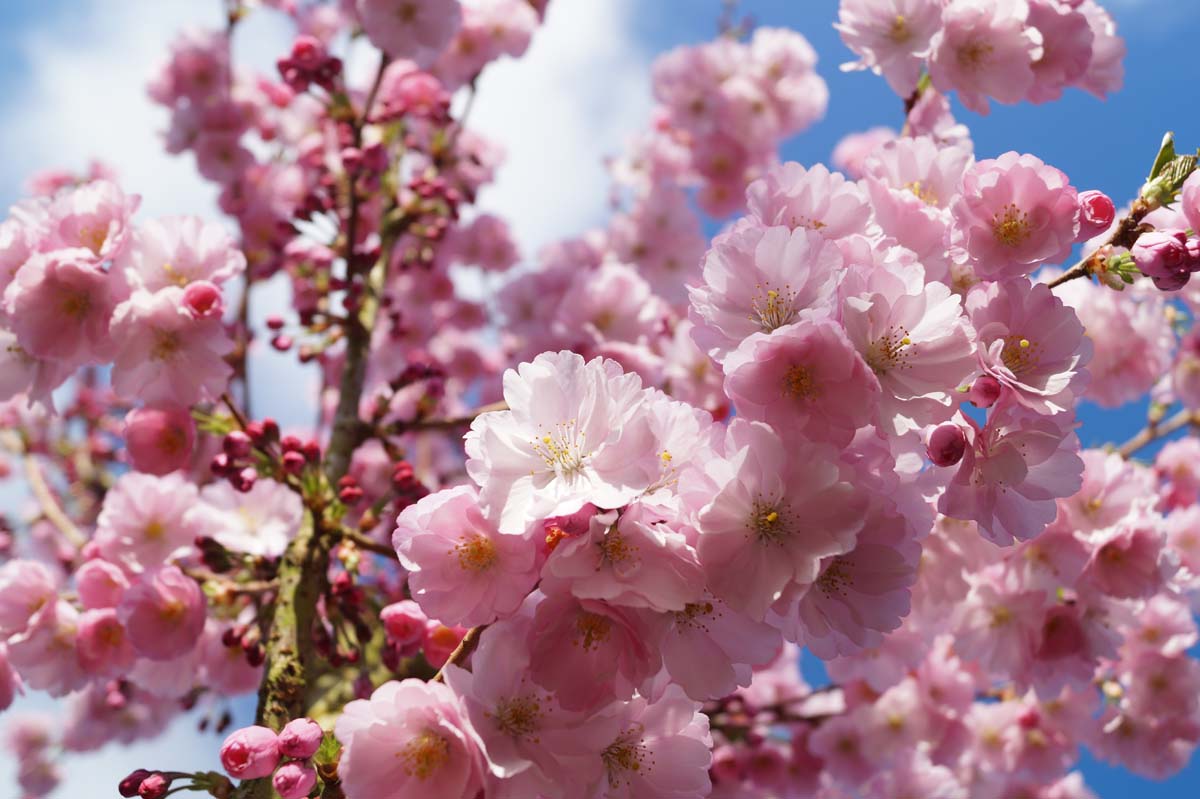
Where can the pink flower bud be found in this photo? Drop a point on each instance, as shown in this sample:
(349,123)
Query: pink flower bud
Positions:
(159,439)
(100,584)
(946,444)
(440,642)
(984,391)
(300,738)
(1161,253)
(1096,213)
(203,300)
(294,780)
(404,622)
(250,753)
(128,787)
(154,786)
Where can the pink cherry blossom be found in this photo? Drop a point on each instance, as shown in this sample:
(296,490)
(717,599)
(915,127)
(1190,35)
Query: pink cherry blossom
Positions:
(259,522)
(404,622)
(1013,214)
(813,198)
(891,37)
(26,587)
(177,251)
(461,569)
(983,50)
(46,654)
(146,521)
(160,439)
(709,649)
(1066,48)
(95,217)
(163,613)
(853,150)
(250,753)
(410,738)
(104,648)
(294,780)
(417,30)
(100,584)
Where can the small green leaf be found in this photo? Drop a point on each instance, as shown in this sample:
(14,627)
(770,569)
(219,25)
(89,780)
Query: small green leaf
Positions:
(1166,154)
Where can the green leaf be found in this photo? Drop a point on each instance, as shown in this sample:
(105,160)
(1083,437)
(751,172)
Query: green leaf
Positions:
(329,750)
(1166,154)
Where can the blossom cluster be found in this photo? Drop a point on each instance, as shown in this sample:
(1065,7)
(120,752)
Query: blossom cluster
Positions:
(845,425)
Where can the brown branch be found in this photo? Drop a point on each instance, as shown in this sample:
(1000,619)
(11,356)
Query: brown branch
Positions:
(465,647)
(1154,431)
(202,575)
(44,495)
(361,541)
(443,424)
(1126,235)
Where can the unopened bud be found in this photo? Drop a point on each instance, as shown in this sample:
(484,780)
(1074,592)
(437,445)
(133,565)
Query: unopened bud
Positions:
(946,445)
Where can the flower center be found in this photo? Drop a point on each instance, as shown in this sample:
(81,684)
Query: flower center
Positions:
(798,383)
(563,449)
(76,304)
(835,579)
(769,522)
(899,32)
(1019,354)
(693,615)
(887,352)
(424,754)
(626,756)
(518,716)
(922,192)
(972,55)
(1010,226)
(476,554)
(93,238)
(155,530)
(591,630)
(614,548)
(166,344)
(773,309)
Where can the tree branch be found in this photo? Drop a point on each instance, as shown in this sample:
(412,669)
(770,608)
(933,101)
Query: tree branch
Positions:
(1152,432)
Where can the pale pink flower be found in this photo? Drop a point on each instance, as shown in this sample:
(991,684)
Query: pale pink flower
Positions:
(657,749)
(915,776)
(756,280)
(572,435)
(911,182)
(417,30)
(1155,748)
(853,149)
(1066,48)
(635,558)
(146,521)
(163,354)
(813,198)
(17,242)
(662,237)
(226,670)
(709,649)
(611,303)
(1106,71)
(859,596)
(46,654)
(178,250)
(915,339)
(1163,685)
(588,652)
(891,37)
(1112,488)
(103,714)
(163,613)
(26,587)
(461,569)
(59,306)
(1031,342)
(490,29)
(410,739)
(1013,214)
(259,522)
(841,743)
(487,243)
(784,62)
(1164,624)
(250,753)
(1128,560)
(10,683)
(1012,473)
(96,217)
(999,624)
(300,738)
(104,648)
(159,439)
(985,49)
(775,513)
(806,380)
(1178,463)
(100,584)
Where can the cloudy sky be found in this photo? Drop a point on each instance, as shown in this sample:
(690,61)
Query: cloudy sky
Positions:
(73,75)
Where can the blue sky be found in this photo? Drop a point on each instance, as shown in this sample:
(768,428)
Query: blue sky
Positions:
(72,71)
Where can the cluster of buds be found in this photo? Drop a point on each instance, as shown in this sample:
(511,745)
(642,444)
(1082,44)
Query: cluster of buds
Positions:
(253,753)
(408,487)
(247,638)
(349,491)
(416,95)
(1168,257)
(410,632)
(297,454)
(309,63)
(234,462)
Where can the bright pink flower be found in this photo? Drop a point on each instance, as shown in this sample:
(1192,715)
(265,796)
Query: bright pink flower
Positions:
(1066,48)
(1096,213)
(26,587)
(300,738)
(104,649)
(164,354)
(100,584)
(775,513)
(294,780)
(417,30)
(46,654)
(915,339)
(59,306)
(806,380)
(571,436)
(946,445)
(250,753)
(404,622)
(163,613)
(588,653)
(179,250)
(159,439)
(611,303)
(1013,214)
(756,280)
(409,739)
(649,750)
(145,521)
(1031,343)
(461,569)
(1013,471)
(96,217)
(891,37)
(985,49)
(440,641)
(813,198)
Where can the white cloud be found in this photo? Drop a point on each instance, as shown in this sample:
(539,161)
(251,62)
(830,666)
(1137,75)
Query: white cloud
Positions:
(575,98)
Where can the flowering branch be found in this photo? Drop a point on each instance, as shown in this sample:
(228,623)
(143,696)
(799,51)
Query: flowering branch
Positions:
(465,647)
(1154,431)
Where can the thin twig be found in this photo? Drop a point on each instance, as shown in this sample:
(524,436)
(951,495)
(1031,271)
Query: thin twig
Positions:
(1153,432)
(363,542)
(465,647)
(49,504)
